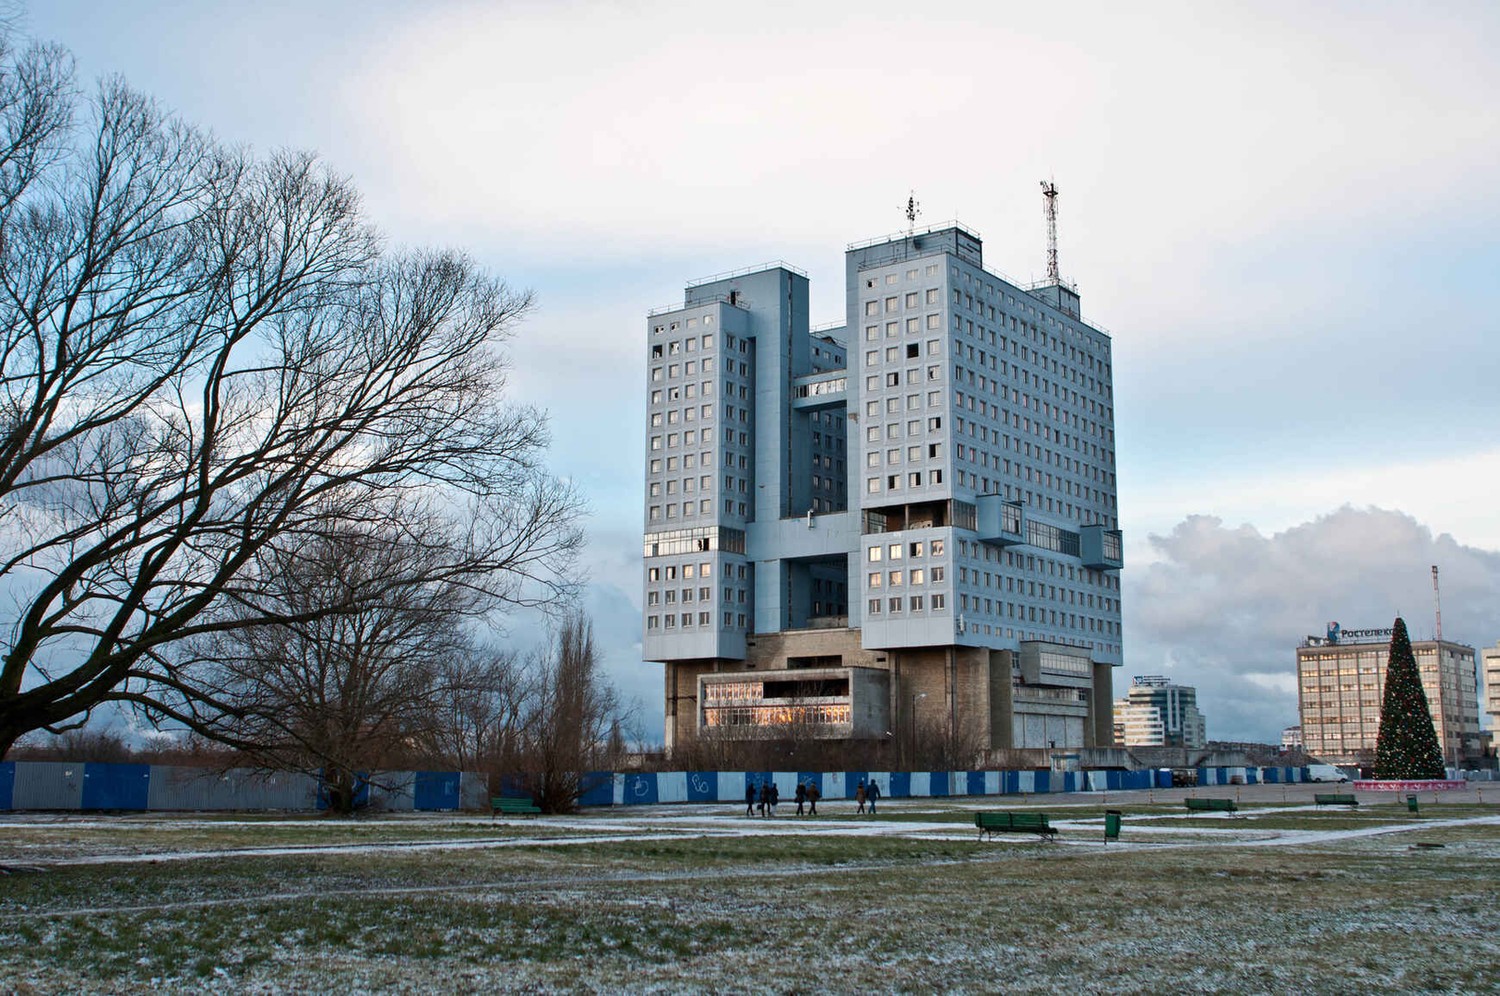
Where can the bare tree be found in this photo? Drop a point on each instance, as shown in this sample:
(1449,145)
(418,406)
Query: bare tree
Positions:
(480,712)
(338,693)
(208,365)
(937,747)
(574,721)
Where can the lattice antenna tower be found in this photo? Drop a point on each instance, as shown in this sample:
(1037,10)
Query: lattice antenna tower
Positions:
(1049,205)
(912,210)
(1437,603)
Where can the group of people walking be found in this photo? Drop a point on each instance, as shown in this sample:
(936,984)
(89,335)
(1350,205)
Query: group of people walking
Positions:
(763,798)
(767,796)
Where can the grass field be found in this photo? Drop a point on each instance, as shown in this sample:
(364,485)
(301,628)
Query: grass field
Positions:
(692,898)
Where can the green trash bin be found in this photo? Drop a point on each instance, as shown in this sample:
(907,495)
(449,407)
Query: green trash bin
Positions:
(1411,803)
(1111,825)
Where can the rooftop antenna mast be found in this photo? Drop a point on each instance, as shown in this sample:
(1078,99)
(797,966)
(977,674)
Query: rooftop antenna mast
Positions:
(912,210)
(1437,603)
(1049,197)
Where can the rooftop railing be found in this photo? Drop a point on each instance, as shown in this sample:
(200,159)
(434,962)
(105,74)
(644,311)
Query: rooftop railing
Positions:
(941,226)
(775,264)
(679,306)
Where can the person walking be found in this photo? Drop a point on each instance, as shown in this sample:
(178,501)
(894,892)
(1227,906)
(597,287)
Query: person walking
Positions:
(812,798)
(859,795)
(764,800)
(749,798)
(775,797)
(873,794)
(801,797)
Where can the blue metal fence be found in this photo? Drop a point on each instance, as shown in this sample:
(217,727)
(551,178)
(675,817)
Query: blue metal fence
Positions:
(67,786)
(435,791)
(115,786)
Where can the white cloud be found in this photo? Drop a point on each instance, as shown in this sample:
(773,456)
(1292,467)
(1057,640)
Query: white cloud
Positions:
(646,124)
(1447,492)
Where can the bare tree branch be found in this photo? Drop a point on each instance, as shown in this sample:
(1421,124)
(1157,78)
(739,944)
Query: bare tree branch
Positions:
(209,366)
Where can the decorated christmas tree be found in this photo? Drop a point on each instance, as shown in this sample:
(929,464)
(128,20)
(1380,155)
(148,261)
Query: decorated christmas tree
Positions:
(1407,747)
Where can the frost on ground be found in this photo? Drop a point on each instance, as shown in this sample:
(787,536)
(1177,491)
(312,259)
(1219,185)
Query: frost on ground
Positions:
(693,898)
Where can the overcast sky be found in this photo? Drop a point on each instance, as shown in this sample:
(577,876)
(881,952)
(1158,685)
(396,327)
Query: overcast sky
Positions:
(1284,213)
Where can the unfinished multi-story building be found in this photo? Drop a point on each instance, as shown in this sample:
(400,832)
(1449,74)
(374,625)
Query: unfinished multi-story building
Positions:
(907,521)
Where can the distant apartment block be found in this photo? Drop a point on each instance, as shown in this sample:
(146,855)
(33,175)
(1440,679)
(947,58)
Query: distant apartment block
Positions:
(905,520)
(1340,680)
(1291,738)
(1158,713)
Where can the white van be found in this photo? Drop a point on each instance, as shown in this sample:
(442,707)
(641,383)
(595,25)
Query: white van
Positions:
(1325,773)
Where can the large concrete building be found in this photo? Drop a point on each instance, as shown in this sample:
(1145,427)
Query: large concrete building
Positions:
(905,521)
(1340,681)
(1158,713)
(1492,685)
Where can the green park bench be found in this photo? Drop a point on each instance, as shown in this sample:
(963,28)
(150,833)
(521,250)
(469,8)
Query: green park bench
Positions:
(993,822)
(1210,805)
(1335,799)
(512,807)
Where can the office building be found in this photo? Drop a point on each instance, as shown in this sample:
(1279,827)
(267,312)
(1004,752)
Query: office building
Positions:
(1340,680)
(1158,713)
(903,521)
(1492,685)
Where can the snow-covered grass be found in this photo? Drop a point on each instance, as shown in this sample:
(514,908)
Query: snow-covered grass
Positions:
(694,898)
(30,838)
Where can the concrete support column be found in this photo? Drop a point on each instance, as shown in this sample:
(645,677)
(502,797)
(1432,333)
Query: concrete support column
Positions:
(1101,708)
(1002,701)
(669,675)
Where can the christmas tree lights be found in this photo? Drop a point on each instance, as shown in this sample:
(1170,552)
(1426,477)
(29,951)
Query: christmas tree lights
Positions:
(1407,746)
